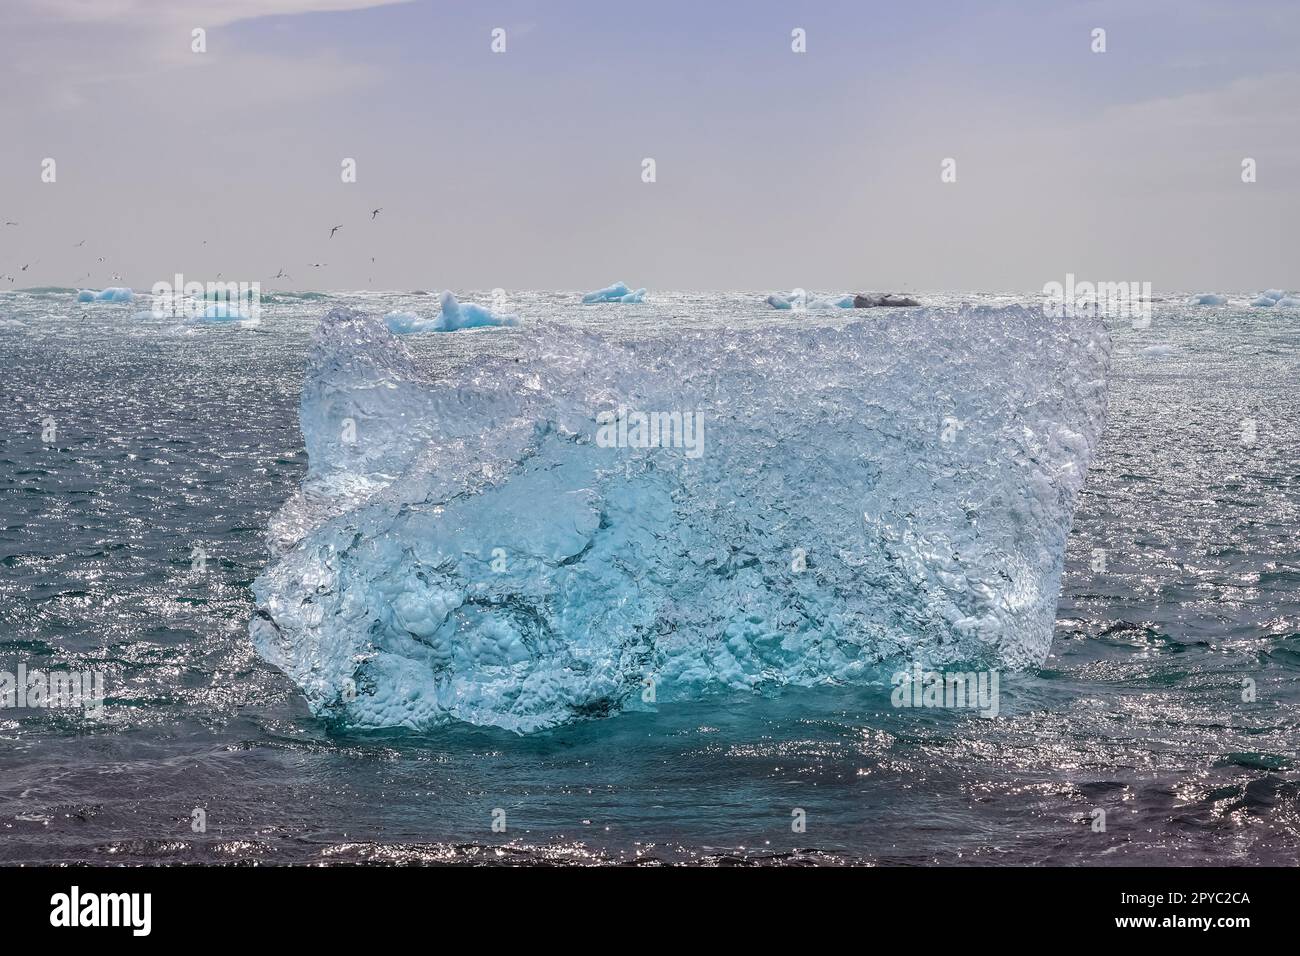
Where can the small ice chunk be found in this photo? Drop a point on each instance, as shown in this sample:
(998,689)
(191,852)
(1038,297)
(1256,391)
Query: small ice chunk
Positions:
(1263,301)
(1210,298)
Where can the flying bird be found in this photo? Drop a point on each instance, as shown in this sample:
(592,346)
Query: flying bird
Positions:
(375,212)
(317,265)
(80,244)
(282,275)
(335,229)
(10,222)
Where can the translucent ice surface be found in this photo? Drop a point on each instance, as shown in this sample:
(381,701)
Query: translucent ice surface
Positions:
(510,545)
(1210,298)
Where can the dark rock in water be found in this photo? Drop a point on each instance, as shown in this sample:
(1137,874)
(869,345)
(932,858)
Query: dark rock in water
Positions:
(870,300)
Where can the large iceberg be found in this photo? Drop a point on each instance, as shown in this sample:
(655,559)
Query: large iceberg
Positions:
(455,315)
(518,543)
(618,292)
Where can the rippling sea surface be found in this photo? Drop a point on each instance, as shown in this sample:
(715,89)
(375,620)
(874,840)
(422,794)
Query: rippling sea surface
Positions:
(172,437)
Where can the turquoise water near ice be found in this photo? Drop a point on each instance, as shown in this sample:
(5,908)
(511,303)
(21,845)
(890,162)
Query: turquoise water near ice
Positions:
(172,437)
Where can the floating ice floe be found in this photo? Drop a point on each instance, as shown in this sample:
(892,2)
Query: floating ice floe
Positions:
(618,292)
(1269,297)
(1209,298)
(510,544)
(1288,302)
(114,294)
(1159,351)
(455,316)
(791,301)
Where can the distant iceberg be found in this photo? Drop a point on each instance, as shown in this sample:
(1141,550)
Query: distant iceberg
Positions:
(1288,302)
(455,316)
(466,547)
(1269,297)
(114,294)
(781,301)
(618,292)
(1210,298)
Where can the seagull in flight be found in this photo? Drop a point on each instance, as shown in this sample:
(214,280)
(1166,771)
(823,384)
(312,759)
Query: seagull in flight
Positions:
(80,244)
(375,212)
(317,265)
(282,275)
(335,229)
(10,222)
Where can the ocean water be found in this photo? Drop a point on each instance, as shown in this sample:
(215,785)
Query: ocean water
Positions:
(172,437)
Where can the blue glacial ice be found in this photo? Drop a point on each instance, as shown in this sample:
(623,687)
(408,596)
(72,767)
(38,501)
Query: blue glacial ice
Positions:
(1263,301)
(781,301)
(115,294)
(1209,298)
(409,323)
(466,547)
(618,292)
(1288,302)
(454,316)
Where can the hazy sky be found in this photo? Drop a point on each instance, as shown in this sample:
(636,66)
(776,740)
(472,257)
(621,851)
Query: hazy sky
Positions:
(774,169)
